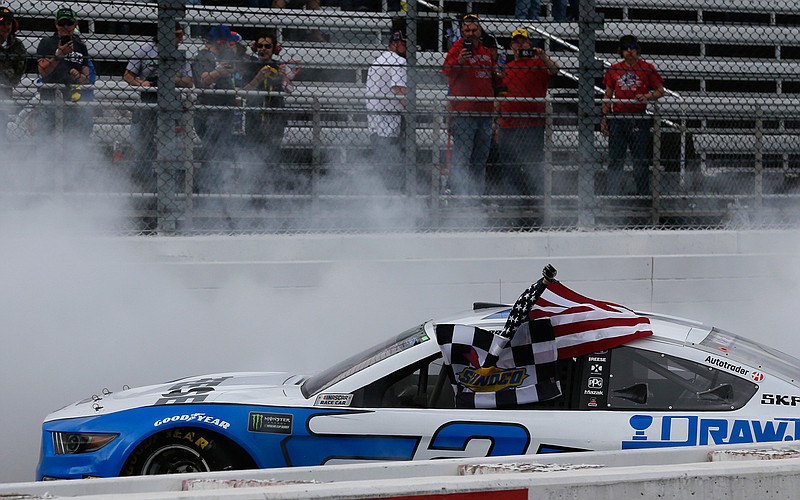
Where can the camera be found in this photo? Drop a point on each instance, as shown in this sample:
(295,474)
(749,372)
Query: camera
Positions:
(64,39)
(153,80)
(469,44)
(526,53)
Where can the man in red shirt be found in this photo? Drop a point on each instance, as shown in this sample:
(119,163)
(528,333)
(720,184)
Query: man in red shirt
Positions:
(629,127)
(522,123)
(469,68)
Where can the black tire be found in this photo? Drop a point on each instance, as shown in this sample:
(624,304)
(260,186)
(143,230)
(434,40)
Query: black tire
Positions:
(182,450)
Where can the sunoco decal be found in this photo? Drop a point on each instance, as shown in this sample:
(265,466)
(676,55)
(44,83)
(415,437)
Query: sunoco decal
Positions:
(194,417)
(334,400)
(273,423)
(691,430)
(721,363)
(491,379)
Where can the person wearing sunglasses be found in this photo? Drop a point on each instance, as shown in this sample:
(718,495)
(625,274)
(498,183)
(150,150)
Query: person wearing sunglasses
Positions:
(470,70)
(12,65)
(626,123)
(63,59)
(264,126)
(142,72)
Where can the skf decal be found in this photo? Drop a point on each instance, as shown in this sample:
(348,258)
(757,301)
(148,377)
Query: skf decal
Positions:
(194,417)
(491,379)
(192,391)
(757,376)
(272,423)
(721,363)
(334,400)
(779,400)
(691,430)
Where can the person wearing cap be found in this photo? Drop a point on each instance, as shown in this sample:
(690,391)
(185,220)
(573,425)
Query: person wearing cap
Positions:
(142,72)
(64,59)
(214,68)
(13,56)
(265,124)
(469,68)
(626,123)
(522,123)
(386,90)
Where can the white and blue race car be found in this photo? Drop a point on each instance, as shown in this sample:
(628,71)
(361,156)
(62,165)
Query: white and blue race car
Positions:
(686,385)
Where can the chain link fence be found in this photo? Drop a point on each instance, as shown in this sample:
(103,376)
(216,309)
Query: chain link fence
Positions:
(361,115)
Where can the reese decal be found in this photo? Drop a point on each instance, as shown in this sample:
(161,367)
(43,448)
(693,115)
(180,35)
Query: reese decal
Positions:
(692,430)
(272,423)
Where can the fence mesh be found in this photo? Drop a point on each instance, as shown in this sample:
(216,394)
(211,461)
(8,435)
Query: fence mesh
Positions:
(362,115)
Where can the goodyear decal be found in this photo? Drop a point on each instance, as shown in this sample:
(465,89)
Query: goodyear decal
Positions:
(491,379)
(692,430)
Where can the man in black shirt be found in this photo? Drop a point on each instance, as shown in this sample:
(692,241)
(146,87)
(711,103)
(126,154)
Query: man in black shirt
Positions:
(63,59)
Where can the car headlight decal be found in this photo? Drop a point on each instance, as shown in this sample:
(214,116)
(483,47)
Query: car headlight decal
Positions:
(70,443)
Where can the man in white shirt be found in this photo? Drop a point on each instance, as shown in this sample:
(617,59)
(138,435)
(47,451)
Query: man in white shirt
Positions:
(386,89)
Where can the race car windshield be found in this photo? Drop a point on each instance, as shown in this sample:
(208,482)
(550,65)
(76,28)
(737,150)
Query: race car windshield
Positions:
(355,364)
(752,353)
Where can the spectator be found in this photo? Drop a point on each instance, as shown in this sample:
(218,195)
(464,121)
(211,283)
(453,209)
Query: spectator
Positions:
(561,12)
(12,65)
(522,137)
(214,68)
(142,72)
(469,68)
(528,9)
(265,126)
(64,59)
(629,128)
(386,89)
(314,35)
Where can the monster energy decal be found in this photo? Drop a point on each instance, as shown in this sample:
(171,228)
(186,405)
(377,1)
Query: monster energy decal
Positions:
(273,423)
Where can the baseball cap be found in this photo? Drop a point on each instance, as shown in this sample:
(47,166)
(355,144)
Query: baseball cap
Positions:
(66,13)
(397,36)
(221,33)
(519,32)
(6,14)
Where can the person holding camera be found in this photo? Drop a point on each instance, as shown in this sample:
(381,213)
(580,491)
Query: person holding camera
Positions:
(142,72)
(214,68)
(264,126)
(522,123)
(469,68)
(386,89)
(12,65)
(629,126)
(63,59)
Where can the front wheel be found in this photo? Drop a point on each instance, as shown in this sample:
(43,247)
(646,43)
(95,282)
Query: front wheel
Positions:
(183,450)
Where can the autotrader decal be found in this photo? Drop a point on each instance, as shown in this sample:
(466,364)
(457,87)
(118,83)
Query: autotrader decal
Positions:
(691,430)
(721,363)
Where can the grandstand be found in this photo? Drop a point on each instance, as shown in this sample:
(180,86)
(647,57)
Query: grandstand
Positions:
(726,137)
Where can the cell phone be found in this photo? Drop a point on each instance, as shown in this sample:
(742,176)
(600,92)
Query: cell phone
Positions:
(469,44)
(64,39)
(526,53)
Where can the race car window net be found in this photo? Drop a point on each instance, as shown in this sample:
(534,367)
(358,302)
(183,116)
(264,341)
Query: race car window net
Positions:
(355,364)
(752,353)
(655,381)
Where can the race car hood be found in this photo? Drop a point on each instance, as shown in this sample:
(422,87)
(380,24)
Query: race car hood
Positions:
(245,387)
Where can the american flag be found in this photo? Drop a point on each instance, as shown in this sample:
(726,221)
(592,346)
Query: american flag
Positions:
(548,322)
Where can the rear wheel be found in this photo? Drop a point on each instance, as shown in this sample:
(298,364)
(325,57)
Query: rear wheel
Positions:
(185,450)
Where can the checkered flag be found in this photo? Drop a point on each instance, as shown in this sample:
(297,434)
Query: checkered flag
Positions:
(523,372)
